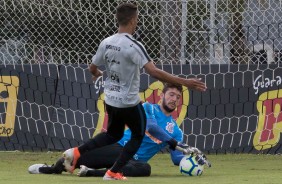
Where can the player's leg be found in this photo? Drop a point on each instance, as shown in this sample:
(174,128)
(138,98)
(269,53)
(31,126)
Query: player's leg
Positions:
(57,168)
(136,169)
(103,157)
(89,172)
(102,139)
(133,169)
(135,119)
(115,126)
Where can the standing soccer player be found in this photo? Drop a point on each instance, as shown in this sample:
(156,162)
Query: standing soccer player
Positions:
(123,57)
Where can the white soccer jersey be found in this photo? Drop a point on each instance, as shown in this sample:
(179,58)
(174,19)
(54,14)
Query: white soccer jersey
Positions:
(123,57)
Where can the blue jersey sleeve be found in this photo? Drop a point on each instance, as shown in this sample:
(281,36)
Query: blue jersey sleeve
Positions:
(157,132)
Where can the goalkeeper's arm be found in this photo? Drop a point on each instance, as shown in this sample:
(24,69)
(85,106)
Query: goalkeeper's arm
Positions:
(176,156)
(157,132)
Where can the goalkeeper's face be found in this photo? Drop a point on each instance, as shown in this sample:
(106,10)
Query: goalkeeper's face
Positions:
(171,99)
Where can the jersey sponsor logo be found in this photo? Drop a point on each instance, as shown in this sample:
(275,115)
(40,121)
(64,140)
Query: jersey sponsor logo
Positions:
(169,127)
(114,88)
(269,128)
(152,95)
(115,77)
(8,104)
(112,97)
(112,61)
(112,47)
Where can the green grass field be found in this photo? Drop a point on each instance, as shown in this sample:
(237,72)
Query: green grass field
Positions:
(226,169)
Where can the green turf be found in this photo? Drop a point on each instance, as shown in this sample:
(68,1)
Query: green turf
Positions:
(226,169)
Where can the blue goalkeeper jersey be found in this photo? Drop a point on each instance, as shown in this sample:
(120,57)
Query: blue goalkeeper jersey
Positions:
(151,145)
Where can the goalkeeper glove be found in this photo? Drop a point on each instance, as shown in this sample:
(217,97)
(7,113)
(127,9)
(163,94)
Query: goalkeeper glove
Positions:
(200,157)
(187,150)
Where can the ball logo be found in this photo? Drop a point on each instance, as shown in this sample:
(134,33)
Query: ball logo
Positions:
(269,126)
(152,95)
(8,104)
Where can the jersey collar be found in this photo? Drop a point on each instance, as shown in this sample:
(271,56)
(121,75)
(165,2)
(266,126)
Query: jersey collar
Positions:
(124,34)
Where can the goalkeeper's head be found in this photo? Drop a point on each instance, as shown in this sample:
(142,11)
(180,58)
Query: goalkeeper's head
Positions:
(170,97)
(127,16)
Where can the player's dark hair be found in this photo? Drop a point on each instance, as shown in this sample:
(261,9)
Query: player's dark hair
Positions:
(169,85)
(125,12)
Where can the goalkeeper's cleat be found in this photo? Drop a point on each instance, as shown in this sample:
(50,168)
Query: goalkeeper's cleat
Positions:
(34,169)
(113,176)
(71,156)
(83,170)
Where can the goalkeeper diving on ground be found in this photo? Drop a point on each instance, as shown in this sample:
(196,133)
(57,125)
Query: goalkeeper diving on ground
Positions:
(161,131)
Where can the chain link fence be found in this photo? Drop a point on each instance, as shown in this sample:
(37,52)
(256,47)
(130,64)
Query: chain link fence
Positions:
(173,31)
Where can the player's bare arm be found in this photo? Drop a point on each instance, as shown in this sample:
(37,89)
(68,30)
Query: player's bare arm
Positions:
(95,72)
(192,83)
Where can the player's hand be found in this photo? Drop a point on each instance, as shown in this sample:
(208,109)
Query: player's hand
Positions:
(195,83)
(192,150)
(187,150)
(94,78)
(96,75)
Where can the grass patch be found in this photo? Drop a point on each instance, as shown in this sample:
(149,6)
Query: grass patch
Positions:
(226,169)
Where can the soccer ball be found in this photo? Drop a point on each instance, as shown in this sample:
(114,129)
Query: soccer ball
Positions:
(189,166)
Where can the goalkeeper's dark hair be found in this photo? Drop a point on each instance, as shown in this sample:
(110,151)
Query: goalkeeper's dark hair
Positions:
(125,12)
(169,85)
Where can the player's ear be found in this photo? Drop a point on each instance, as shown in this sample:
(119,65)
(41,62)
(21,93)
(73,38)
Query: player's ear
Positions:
(132,21)
(162,95)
